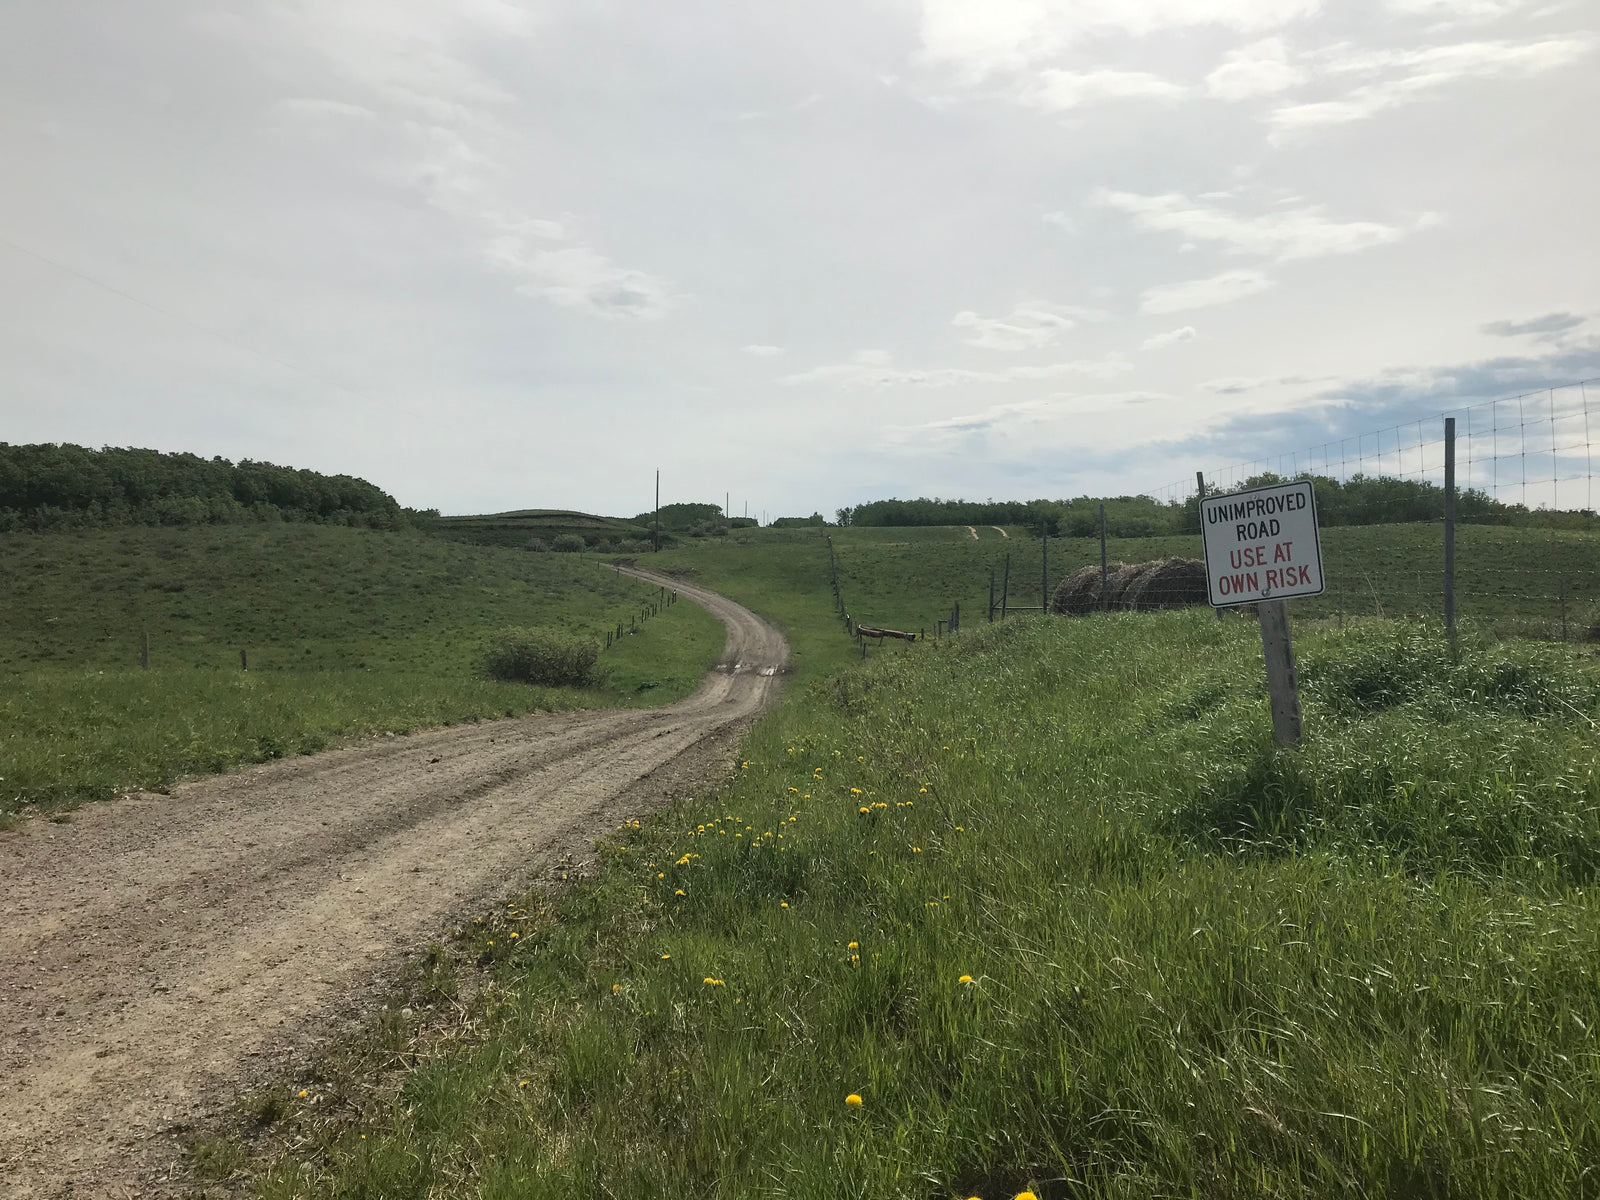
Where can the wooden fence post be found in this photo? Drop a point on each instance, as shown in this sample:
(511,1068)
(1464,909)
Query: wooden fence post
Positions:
(1282,687)
(1005,588)
(1103,571)
(144,650)
(244,663)
(1450,526)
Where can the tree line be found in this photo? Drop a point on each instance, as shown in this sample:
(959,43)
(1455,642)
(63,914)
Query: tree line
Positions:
(62,486)
(1359,500)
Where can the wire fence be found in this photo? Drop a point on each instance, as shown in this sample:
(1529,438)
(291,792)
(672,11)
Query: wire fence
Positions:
(1527,556)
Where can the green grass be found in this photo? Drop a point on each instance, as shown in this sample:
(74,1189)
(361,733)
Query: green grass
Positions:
(1199,966)
(348,633)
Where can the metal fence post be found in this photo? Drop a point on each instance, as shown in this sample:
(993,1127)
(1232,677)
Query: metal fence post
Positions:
(1104,573)
(1450,525)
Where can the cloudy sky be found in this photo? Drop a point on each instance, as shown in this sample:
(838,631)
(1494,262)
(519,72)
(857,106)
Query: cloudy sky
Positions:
(503,253)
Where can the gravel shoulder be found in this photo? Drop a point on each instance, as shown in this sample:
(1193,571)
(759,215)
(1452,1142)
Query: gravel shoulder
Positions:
(156,950)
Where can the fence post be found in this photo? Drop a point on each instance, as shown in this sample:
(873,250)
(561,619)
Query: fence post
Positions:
(955,617)
(144,650)
(1103,571)
(1200,485)
(991,595)
(1044,568)
(1005,588)
(244,663)
(1282,687)
(1450,525)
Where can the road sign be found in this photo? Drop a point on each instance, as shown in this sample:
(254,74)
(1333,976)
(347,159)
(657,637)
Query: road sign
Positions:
(1261,544)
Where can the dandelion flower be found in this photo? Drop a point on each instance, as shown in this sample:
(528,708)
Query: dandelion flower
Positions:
(916,849)
(785,904)
(855,791)
(302,1093)
(1026,1196)
(664,957)
(853,946)
(661,874)
(710,982)
(616,989)
(680,892)
(522,1083)
(863,810)
(965,979)
(514,934)
(853,1100)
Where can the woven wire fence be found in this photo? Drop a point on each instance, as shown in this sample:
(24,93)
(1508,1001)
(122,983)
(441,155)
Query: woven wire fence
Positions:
(1527,558)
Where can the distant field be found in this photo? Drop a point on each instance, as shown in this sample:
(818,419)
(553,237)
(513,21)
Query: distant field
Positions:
(347,632)
(515,530)
(1513,582)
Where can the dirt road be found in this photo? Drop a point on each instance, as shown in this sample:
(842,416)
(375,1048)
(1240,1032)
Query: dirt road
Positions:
(155,947)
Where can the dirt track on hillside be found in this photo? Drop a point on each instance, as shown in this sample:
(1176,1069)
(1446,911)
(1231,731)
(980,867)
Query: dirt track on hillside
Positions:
(154,950)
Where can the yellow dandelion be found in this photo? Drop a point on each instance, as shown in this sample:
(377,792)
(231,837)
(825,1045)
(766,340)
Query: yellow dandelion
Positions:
(853,946)
(784,904)
(853,1100)
(710,982)
(302,1093)
(916,849)
(921,791)
(863,810)
(516,935)
(522,1083)
(680,892)
(965,979)
(794,789)
(616,989)
(661,874)
(664,957)
(855,791)
(1026,1196)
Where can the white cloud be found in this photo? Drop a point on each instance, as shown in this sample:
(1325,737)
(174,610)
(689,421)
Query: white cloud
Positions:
(1283,234)
(1203,293)
(1056,90)
(416,64)
(1234,385)
(980,39)
(759,351)
(1173,337)
(876,369)
(576,276)
(1259,69)
(1417,73)
(1029,326)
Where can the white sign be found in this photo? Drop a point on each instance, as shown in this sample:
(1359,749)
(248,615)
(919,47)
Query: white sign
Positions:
(1261,544)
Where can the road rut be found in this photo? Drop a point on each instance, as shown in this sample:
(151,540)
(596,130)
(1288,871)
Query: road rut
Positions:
(153,947)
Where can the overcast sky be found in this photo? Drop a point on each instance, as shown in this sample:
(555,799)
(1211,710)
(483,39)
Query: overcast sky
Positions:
(492,254)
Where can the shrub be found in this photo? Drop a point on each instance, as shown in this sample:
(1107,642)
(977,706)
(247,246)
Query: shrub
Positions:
(538,545)
(542,657)
(568,543)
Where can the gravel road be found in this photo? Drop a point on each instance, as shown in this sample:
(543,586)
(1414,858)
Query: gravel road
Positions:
(156,951)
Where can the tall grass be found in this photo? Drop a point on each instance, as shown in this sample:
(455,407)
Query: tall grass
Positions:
(1047,899)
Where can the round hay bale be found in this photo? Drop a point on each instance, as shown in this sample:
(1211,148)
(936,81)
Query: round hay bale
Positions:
(1167,583)
(1124,581)
(1079,592)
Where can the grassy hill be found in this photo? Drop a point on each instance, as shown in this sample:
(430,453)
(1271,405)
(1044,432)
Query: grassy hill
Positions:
(516,530)
(347,632)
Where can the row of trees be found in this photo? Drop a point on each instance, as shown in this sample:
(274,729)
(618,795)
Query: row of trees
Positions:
(55,486)
(1359,500)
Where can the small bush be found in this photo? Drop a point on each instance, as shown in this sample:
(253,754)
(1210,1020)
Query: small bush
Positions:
(537,544)
(568,543)
(542,657)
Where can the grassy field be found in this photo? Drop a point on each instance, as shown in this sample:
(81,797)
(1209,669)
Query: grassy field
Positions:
(1045,898)
(347,633)
(1513,582)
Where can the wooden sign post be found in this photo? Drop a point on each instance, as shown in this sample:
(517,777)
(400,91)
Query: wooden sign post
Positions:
(1262,547)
